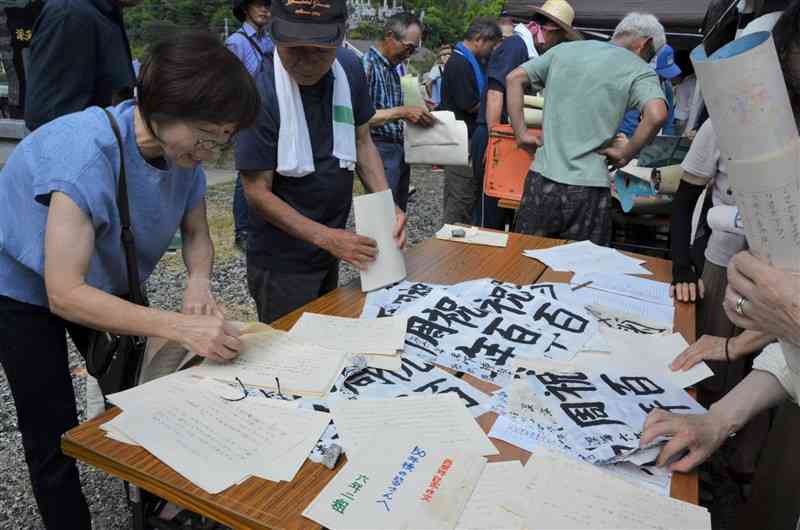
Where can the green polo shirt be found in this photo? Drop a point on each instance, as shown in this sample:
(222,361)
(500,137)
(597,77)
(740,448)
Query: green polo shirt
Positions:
(588,87)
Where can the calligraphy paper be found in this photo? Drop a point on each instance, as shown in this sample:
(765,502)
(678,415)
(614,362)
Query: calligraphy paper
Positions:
(629,286)
(483,510)
(532,437)
(375,218)
(569,494)
(626,314)
(744,90)
(299,367)
(482,336)
(213,442)
(585,256)
(388,300)
(443,419)
(384,336)
(415,377)
(473,235)
(399,484)
(603,411)
(651,354)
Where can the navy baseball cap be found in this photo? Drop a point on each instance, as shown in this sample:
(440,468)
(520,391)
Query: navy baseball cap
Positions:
(308,22)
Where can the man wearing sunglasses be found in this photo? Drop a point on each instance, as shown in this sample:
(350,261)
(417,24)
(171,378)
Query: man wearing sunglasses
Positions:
(401,38)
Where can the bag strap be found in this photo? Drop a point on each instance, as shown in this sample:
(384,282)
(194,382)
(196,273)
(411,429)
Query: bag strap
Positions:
(128,243)
(253,43)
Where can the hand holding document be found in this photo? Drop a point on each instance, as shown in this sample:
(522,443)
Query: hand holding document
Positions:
(446,143)
(473,235)
(273,359)
(562,493)
(375,217)
(401,482)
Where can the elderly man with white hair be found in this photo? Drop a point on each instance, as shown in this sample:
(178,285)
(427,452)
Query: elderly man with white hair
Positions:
(589,86)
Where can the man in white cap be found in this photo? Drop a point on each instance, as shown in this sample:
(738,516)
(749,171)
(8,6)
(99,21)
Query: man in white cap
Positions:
(589,86)
(549,25)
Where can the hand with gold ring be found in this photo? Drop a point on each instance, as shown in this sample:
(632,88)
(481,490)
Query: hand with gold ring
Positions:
(763,298)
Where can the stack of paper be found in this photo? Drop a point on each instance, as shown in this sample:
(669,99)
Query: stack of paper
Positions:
(273,359)
(472,235)
(187,423)
(562,493)
(638,288)
(378,340)
(484,510)
(441,419)
(404,482)
(375,218)
(584,257)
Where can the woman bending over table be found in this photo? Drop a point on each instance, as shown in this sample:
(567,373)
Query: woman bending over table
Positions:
(61,258)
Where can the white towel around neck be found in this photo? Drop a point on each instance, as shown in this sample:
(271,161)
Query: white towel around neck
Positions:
(295,155)
(526,35)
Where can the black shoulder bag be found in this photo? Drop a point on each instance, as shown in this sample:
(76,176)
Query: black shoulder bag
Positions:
(116,360)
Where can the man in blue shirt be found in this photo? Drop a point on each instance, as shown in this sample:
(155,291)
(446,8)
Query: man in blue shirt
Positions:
(300,197)
(463,86)
(550,25)
(667,70)
(250,43)
(401,38)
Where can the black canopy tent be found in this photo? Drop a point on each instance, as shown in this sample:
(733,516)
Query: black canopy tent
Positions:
(682,19)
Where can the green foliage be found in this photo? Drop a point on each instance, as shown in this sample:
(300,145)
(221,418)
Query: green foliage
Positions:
(445,20)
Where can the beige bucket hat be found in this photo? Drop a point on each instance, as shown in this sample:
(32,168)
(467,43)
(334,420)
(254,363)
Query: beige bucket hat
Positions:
(561,14)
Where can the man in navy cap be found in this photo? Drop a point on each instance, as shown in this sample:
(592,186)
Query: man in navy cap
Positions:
(297,161)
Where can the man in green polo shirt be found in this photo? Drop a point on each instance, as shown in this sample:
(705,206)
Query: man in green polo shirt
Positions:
(588,87)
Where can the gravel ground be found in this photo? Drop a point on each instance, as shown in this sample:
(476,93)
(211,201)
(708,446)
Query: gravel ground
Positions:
(104,493)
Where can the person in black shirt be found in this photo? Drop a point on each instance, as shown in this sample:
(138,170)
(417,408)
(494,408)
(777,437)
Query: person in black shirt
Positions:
(463,85)
(298,214)
(80,57)
(549,26)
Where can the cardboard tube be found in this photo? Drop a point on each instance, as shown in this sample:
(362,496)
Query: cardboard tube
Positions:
(746,96)
(670,178)
(535,102)
(533,117)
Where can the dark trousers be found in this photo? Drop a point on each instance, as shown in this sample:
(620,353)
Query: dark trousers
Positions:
(279,293)
(460,195)
(487,211)
(397,171)
(240,216)
(552,209)
(33,353)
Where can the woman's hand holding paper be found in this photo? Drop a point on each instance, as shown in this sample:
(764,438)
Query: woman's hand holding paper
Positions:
(763,298)
(209,336)
(700,435)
